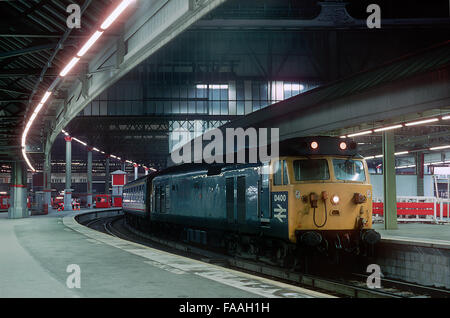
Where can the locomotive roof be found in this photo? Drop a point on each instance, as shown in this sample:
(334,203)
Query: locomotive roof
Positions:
(301,146)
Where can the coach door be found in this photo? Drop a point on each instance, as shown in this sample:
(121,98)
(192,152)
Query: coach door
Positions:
(264,195)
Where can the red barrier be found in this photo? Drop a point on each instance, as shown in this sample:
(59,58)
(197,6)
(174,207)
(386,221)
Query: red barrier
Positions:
(102,201)
(412,208)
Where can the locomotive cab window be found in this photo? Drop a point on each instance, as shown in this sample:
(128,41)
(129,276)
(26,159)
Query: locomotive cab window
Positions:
(277,173)
(311,169)
(280,172)
(349,170)
(285,173)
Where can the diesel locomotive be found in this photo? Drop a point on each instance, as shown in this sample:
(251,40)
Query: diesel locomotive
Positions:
(315,195)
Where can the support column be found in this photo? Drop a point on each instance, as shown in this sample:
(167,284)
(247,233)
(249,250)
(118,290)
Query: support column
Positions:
(68,190)
(107,176)
(124,165)
(136,167)
(89,178)
(389,180)
(18,196)
(47,182)
(420,171)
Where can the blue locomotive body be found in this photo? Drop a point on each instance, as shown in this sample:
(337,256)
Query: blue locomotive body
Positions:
(224,199)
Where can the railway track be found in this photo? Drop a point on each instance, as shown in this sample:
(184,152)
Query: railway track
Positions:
(350,285)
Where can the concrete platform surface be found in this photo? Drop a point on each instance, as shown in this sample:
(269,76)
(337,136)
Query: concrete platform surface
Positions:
(432,235)
(35,254)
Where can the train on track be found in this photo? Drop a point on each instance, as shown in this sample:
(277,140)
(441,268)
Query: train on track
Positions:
(315,195)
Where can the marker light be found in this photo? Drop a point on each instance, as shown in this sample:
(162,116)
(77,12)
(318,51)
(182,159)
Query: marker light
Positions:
(89,43)
(426,121)
(361,133)
(118,11)
(343,145)
(388,128)
(69,66)
(314,145)
(335,199)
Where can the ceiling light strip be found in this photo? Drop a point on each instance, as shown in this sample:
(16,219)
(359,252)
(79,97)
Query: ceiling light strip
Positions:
(107,23)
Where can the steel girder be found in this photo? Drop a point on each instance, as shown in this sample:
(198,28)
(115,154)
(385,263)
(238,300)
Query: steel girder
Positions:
(151,27)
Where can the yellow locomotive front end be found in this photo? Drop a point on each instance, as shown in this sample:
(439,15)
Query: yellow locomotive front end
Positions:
(330,197)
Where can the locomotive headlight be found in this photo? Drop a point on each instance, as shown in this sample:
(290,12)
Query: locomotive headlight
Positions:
(335,199)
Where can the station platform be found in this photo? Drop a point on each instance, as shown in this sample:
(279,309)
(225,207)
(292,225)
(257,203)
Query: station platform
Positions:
(427,235)
(35,253)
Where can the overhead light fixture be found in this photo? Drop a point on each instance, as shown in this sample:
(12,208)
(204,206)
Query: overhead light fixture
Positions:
(420,122)
(107,23)
(45,98)
(401,153)
(115,14)
(440,147)
(368,158)
(79,141)
(446,118)
(38,108)
(69,66)
(378,156)
(388,128)
(361,133)
(89,43)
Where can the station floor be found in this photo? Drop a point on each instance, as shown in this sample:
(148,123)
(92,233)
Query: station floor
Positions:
(35,254)
(437,235)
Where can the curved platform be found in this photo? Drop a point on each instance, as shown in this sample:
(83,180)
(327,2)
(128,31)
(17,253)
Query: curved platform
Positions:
(35,253)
